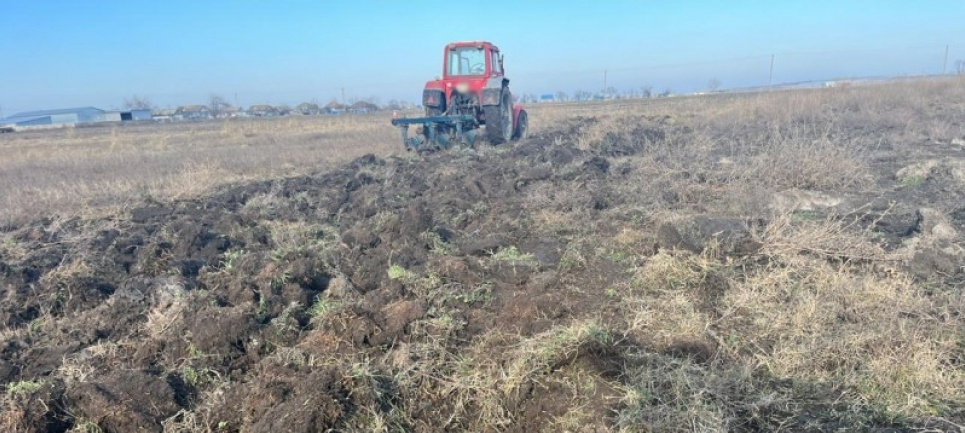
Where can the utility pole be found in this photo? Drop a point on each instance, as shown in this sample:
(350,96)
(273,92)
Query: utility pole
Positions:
(770,74)
(945,61)
(604,84)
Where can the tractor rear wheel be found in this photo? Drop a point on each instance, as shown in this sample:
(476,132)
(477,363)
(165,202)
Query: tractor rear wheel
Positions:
(522,122)
(499,120)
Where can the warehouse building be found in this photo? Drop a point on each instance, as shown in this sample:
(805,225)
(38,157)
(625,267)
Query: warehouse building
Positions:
(72,116)
(54,117)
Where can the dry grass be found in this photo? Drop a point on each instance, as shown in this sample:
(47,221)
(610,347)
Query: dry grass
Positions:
(888,347)
(98,169)
(811,323)
(803,139)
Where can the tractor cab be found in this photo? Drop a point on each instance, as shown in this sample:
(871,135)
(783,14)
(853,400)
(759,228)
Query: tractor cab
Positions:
(480,60)
(472,78)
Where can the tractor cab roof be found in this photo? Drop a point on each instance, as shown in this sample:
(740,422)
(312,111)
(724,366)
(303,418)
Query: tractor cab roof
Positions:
(478,44)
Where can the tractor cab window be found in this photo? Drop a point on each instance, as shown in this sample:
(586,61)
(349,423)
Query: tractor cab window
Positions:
(497,66)
(466,61)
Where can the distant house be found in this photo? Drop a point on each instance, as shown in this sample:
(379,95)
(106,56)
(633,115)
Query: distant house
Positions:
(163,115)
(283,110)
(396,105)
(231,111)
(334,107)
(307,109)
(262,110)
(226,111)
(193,112)
(547,97)
(362,107)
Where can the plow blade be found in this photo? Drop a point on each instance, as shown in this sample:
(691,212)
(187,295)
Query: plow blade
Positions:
(454,129)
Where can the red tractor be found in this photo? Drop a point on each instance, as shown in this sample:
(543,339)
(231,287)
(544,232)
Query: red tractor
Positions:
(473,92)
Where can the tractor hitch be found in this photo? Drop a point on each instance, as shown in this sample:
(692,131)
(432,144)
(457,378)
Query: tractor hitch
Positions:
(438,132)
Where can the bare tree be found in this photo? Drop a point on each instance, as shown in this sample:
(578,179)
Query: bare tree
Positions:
(217,104)
(960,67)
(713,84)
(138,103)
(646,91)
(561,96)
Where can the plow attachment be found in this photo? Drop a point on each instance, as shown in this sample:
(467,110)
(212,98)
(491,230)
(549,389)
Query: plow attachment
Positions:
(437,132)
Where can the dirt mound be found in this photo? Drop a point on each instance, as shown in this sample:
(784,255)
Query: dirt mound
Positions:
(132,401)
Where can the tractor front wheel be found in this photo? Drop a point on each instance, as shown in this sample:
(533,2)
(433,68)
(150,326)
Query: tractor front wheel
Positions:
(522,122)
(499,120)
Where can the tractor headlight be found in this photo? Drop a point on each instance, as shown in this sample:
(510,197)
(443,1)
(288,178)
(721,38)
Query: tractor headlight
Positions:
(462,87)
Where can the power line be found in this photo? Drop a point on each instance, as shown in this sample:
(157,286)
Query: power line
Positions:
(735,59)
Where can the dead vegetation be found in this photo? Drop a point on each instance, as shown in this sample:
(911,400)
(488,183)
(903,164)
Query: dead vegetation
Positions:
(738,263)
(102,169)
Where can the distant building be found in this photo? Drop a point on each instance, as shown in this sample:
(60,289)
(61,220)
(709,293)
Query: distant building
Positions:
(230,111)
(362,107)
(547,97)
(67,116)
(136,115)
(193,112)
(334,107)
(307,109)
(837,83)
(72,116)
(56,119)
(262,110)
(164,115)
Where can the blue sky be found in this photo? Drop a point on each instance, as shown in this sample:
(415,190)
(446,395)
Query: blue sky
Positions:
(73,53)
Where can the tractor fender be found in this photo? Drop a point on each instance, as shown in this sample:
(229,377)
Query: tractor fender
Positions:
(434,98)
(493,89)
(516,110)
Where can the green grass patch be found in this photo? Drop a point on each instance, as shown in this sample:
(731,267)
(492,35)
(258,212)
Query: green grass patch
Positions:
(24,387)
(397,272)
(322,307)
(912,181)
(513,254)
